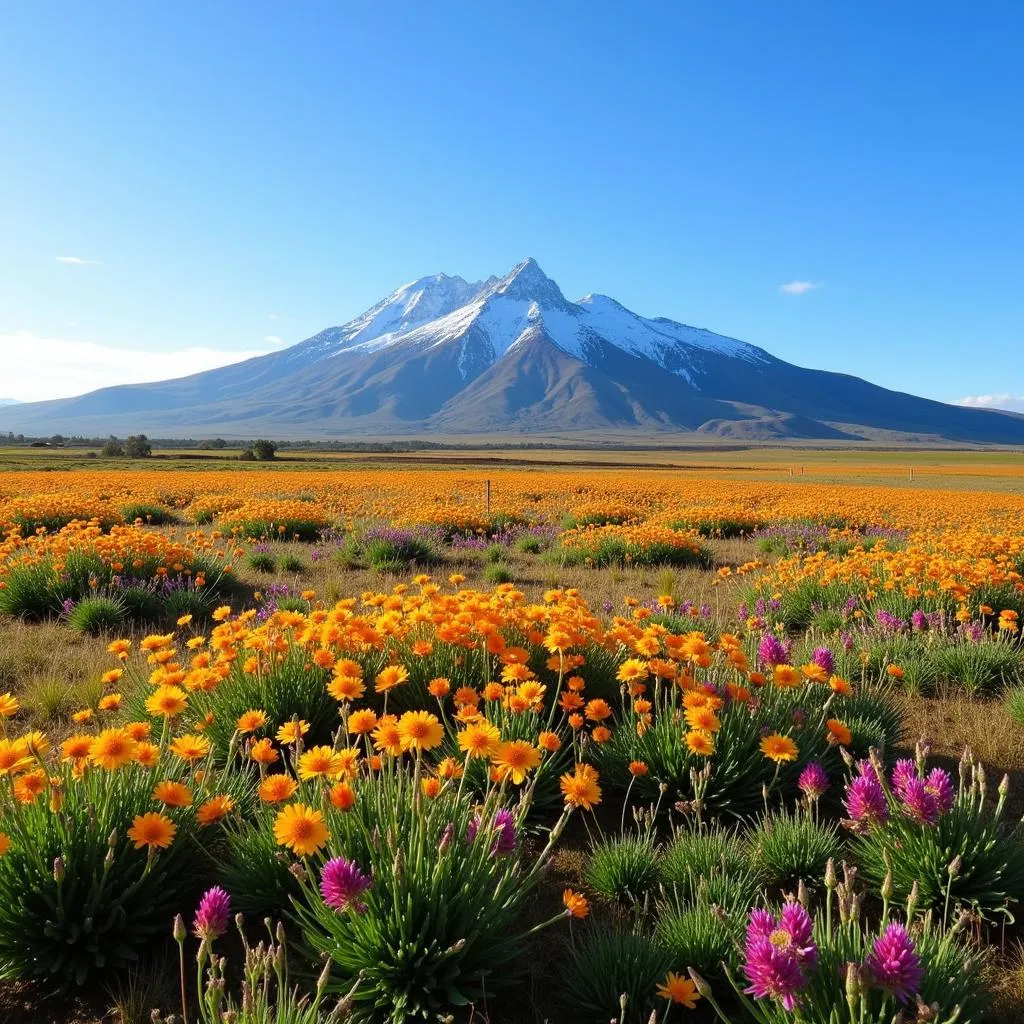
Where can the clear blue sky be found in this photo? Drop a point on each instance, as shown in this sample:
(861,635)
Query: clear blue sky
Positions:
(237,172)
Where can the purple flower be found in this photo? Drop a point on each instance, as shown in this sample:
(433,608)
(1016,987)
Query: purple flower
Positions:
(894,964)
(770,650)
(865,801)
(846,640)
(778,954)
(918,620)
(607,606)
(813,780)
(342,883)
(938,783)
(503,828)
(918,803)
(825,659)
(760,608)
(212,915)
(743,612)
(902,773)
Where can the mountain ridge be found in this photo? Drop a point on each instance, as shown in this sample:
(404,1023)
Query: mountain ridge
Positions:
(511,354)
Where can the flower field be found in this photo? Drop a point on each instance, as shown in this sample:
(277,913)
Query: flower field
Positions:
(430,744)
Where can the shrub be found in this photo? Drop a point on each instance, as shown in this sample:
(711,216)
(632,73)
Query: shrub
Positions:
(791,847)
(137,446)
(97,615)
(106,901)
(1014,704)
(950,840)
(494,553)
(264,451)
(261,562)
(697,936)
(608,964)
(291,563)
(529,545)
(981,667)
(623,868)
(387,549)
(712,864)
(150,514)
(497,574)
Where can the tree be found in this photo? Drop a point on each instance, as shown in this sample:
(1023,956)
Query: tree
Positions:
(112,449)
(265,451)
(138,447)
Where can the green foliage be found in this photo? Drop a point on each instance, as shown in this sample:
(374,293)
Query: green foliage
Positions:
(260,561)
(623,868)
(494,553)
(1014,704)
(607,963)
(981,667)
(441,923)
(137,446)
(149,513)
(396,554)
(106,901)
(291,563)
(790,847)
(497,573)
(530,545)
(711,865)
(253,870)
(698,936)
(98,615)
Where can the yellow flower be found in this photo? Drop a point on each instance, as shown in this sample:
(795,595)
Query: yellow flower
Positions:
(190,747)
(152,830)
(8,705)
(167,701)
(479,740)
(275,788)
(172,794)
(320,763)
(292,731)
(698,742)
(301,829)
(113,748)
(513,760)
(390,677)
(580,788)
(779,748)
(419,730)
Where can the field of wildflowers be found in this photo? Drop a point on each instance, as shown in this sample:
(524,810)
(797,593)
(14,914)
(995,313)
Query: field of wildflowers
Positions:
(601,746)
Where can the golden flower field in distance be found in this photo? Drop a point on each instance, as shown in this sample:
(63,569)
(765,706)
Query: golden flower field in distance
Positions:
(736,741)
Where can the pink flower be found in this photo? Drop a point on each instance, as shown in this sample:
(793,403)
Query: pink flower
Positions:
(342,883)
(813,780)
(778,954)
(865,801)
(894,964)
(212,915)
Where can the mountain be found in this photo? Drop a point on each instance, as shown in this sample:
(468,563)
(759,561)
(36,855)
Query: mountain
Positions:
(8,401)
(512,355)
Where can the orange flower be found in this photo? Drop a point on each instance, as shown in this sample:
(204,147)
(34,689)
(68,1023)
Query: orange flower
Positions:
(515,759)
(214,809)
(263,752)
(580,787)
(576,904)
(838,732)
(362,721)
(779,748)
(251,721)
(301,829)
(172,794)
(152,830)
(275,788)
(342,796)
(479,740)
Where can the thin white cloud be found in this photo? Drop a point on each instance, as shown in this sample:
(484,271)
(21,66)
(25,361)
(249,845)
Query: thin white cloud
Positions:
(273,339)
(273,316)
(1012,403)
(37,368)
(799,287)
(77,261)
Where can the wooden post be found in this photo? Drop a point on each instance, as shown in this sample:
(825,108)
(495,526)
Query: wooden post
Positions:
(911,474)
(487,496)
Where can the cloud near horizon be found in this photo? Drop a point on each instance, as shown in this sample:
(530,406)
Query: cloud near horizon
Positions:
(77,261)
(799,287)
(37,369)
(1005,401)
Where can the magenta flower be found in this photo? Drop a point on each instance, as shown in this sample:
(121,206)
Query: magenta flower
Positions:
(918,803)
(865,801)
(503,828)
(770,651)
(342,883)
(824,658)
(778,954)
(894,964)
(902,773)
(212,915)
(813,780)
(939,784)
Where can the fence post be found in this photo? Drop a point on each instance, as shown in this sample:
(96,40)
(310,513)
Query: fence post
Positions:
(487,496)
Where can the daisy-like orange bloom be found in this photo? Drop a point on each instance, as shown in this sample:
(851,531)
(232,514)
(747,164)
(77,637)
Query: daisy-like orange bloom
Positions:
(419,730)
(814,672)
(120,647)
(439,687)
(466,695)
(167,701)
(840,685)
(449,768)
(28,786)
(301,829)
(390,677)
(36,742)
(631,669)
(172,794)
(598,710)
(839,732)
(263,752)
(292,732)
(514,760)
(8,705)
(76,748)
(431,787)
(112,748)
(386,736)
(5,843)
(549,741)
(576,904)
(152,830)
(895,672)
(698,742)
(251,721)
(779,748)
(190,747)
(148,755)
(275,788)
(342,796)
(638,769)
(346,687)
(111,702)
(678,989)
(580,787)
(320,763)
(214,809)
(481,739)
(362,721)
(703,719)
(785,676)
(14,757)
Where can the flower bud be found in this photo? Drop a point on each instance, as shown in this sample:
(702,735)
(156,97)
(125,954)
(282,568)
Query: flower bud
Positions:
(955,865)
(58,869)
(831,881)
(179,930)
(702,986)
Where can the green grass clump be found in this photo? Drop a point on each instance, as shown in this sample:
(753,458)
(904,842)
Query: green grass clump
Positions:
(98,615)
(791,847)
(260,561)
(498,573)
(150,514)
(623,868)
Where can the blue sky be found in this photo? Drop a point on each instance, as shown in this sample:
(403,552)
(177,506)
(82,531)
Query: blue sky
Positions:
(233,177)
